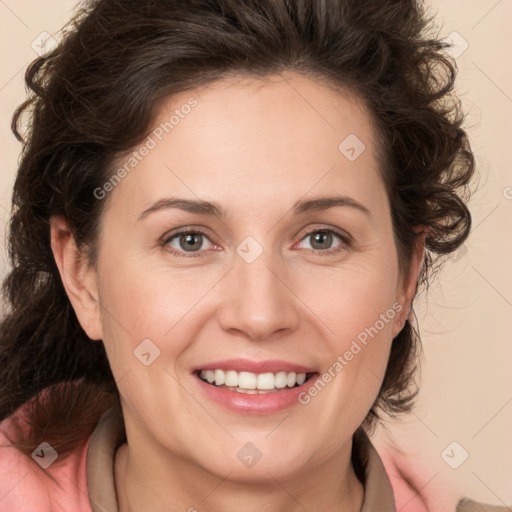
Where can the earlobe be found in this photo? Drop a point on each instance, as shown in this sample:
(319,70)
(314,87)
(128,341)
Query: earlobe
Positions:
(79,282)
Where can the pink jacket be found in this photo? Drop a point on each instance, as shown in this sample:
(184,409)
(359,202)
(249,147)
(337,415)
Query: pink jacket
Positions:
(26,487)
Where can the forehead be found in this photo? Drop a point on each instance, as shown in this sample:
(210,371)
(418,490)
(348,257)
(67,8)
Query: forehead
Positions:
(278,111)
(257,139)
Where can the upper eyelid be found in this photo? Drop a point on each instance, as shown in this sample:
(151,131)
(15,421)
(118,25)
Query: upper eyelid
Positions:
(344,237)
(342,234)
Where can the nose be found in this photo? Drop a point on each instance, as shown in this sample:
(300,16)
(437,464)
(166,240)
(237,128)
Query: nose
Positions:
(259,299)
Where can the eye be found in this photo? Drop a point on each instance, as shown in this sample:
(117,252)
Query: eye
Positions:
(192,241)
(322,239)
(189,241)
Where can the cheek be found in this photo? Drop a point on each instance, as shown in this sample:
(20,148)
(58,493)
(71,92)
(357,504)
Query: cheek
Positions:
(147,320)
(141,302)
(351,299)
(133,311)
(358,308)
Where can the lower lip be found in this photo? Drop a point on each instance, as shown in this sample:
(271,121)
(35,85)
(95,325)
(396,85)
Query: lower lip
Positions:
(267,403)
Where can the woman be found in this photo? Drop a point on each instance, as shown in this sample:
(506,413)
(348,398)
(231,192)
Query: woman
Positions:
(220,220)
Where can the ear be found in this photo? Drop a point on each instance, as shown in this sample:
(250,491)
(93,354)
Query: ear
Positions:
(409,284)
(79,282)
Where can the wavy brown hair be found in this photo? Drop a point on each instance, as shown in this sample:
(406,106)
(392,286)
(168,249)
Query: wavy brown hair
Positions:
(94,97)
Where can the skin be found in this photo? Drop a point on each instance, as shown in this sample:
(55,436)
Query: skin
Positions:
(255,148)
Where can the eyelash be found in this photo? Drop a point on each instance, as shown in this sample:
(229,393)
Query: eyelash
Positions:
(346,242)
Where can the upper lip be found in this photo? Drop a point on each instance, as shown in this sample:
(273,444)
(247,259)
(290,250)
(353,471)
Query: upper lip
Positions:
(247,365)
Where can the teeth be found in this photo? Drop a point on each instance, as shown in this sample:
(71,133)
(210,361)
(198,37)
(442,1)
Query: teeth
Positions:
(265,381)
(231,378)
(246,380)
(301,378)
(280,380)
(220,377)
(253,381)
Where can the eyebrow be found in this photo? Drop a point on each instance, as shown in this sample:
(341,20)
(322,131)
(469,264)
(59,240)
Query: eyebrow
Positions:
(199,207)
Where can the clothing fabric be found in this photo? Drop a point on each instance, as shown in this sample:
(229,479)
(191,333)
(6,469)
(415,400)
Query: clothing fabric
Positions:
(84,481)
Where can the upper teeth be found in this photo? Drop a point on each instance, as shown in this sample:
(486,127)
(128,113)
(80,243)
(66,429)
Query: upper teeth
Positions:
(248,380)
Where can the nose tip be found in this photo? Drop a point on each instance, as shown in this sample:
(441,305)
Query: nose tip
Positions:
(258,304)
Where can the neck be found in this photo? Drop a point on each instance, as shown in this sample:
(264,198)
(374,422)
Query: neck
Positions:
(172,483)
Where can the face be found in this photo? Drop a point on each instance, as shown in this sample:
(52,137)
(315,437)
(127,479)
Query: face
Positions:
(277,285)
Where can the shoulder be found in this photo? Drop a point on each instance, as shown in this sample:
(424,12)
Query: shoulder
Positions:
(414,483)
(469,505)
(27,486)
(428,493)
(21,487)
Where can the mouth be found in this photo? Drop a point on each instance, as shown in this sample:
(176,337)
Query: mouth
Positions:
(245,386)
(254,383)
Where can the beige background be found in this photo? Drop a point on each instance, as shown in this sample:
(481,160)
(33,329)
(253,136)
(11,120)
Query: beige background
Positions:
(466,319)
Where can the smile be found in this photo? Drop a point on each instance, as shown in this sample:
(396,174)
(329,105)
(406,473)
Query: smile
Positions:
(253,383)
(253,387)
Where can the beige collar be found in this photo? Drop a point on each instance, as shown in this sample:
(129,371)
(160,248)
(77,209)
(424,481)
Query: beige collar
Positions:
(109,434)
